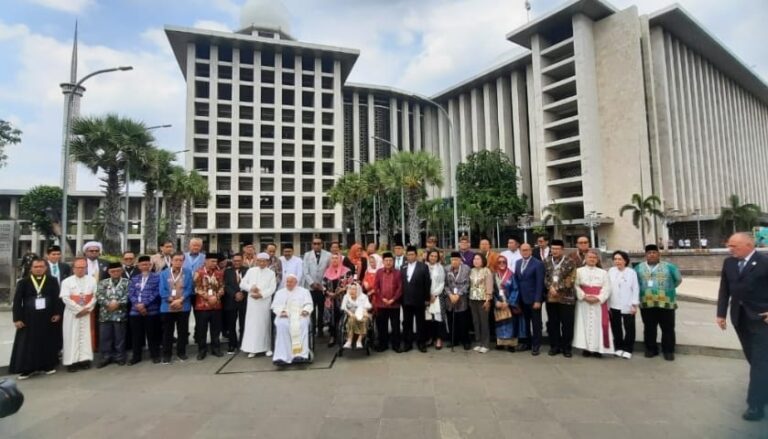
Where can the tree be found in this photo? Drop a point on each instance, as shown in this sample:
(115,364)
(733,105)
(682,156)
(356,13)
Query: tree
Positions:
(193,188)
(641,210)
(554,213)
(349,191)
(104,144)
(487,189)
(173,188)
(375,177)
(42,207)
(8,136)
(416,170)
(741,216)
(151,166)
(437,213)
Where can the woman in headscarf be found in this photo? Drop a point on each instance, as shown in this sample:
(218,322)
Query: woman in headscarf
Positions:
(335,280)
(375,263)
(509,324)
(358,260)
(436,317)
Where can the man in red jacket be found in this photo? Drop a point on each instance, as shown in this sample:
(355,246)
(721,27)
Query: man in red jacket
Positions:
(388,289)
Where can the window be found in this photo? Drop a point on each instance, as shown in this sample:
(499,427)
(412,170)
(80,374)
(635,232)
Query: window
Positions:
(267,95)
(267,166)
(223,146)
(223,184)
(202,51)
(224,111)
(201,109)
(267,184)
(267,221)
(268,148)
(245,184)
(327,83)
(327,100)
(289,185)
(224,128)
(245,221)
(288,202)
(289,116)
(246,75)
(308,117)
(225,91)
(327,220)
(201,127)
(201,89)
(246,93)
(246,130)
(308,63)
(246,147)
(288,133)
(222,202)
(223,165)
(222,221)
(288,97)
(267,131)
(268,114)
(202,70)
(327,203)
(200,221)
(289,78)
(267,202)
(246,56)
(327,64)
(307,168)
(307,81)
(225,72)
(225,53)
(267,77)
(327,118)
(245,202)
(308,203)
(327,169)
(327,151)
(289,59)
(308,151)
(288,221)
(246,112)
(201,164)
(289,149)
(308,221)
(201,145)
(245,166)
(327,184)
(288,168)
(268,58)
(308,185)
(327,135)
(307,134)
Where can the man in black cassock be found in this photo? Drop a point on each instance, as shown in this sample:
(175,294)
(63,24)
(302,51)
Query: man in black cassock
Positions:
(37,310)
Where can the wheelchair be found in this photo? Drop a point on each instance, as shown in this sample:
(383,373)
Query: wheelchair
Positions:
(341,334)
(311,341)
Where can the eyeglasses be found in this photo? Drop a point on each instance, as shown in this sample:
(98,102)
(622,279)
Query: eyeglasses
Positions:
(582,242)
(317,243)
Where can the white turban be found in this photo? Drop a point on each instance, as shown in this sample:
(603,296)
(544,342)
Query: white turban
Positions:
(90,244)
(262,255)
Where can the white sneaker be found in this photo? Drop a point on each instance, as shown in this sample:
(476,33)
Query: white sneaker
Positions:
(24,376)
(477,348)
(347,345)
(359,344)
(627,355)
(269,353)
(251,355)
(483,350)
(50,372)
(619,353)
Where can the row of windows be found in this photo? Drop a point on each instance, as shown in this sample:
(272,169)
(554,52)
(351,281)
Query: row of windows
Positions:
(245,221)
(265,148)
(266,131)
(268,202)
(202,91)
(267,184)
(266,114)
(203,70)
(267,166)
(266,56)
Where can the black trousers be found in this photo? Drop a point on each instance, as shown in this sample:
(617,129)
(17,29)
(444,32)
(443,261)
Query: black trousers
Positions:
(232,318)
(318,307)
(560,325)
(654,318)
(753,335)
(411,314)
(205,321)
(623,329)
(533,324)
(384,318)
(149,328)
(458,325)
(112,340)
(178,321)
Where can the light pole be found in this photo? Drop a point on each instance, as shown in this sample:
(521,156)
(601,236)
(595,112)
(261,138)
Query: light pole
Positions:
(402,192)
(524,222)
(669,219)
(65,152)
(454,189)
(375,216)
(592,220)
(698,226)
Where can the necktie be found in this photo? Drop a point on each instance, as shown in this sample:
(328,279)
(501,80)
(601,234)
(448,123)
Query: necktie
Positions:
(55,270)
(742,263)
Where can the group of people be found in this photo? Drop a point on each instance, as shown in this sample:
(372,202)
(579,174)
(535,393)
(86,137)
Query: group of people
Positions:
(267,305)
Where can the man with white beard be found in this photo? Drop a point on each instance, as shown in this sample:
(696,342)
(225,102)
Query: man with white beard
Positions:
(260,282)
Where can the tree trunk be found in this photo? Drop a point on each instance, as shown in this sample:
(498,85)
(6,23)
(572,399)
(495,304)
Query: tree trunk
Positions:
(356,214)
(150,220)
(642,228)
(412,205)
(384,226)
(174,208)
(187,223)
(112,211)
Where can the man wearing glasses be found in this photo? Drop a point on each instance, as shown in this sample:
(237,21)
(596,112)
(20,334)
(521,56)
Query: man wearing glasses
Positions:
(315,263)
(579,256)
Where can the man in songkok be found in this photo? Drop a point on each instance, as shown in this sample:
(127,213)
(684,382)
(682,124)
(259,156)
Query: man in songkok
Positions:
(144,294)
(260,282)
(290,265)
(209,289)
(176,291)
(112,297)
(78,294)
(292,307)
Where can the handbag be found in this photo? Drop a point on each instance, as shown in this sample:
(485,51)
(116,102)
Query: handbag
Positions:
(502,314)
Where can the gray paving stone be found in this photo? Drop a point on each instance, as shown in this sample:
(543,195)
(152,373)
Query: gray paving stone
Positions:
(418,407)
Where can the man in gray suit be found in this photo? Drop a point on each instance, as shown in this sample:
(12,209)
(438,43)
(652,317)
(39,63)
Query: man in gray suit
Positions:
(315,263)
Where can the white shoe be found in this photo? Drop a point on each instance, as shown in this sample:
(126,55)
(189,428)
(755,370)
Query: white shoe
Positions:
(359,344)
(477,348)
(251,355)
(619,353)
(483,350)
(347,345)
(24,376)
(269,353)
(50,372)
(627,355)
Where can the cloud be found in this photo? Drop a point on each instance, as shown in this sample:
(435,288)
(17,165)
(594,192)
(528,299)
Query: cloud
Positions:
(154,92)
(72,6)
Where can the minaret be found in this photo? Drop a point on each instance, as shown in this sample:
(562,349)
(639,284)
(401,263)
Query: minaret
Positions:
(68,88)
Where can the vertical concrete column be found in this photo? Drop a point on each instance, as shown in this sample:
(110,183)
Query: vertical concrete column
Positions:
(405,143)
(520,139)
(372,127)
(504,117)
(477,116)
(417,127)
(338,129)
(356,131)
(465,127)
(394,135)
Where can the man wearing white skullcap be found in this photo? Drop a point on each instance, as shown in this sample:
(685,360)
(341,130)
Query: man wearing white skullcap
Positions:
(96,267)
(260,282)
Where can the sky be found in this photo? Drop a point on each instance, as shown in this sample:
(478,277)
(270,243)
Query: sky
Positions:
(424,46)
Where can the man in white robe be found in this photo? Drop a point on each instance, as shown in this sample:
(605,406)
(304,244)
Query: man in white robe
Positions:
(290,265)
(592,333)
(78,294)
(292,307)
(260,282)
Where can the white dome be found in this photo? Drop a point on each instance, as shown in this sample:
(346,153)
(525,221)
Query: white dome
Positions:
(265,14)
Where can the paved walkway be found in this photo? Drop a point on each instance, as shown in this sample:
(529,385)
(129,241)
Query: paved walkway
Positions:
(413,395)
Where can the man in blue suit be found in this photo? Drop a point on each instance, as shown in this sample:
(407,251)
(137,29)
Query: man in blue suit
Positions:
(529,274)
(744,285)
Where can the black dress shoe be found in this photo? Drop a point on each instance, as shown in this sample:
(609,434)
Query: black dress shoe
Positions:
(535,352)
(597,355)
(522,347)
(201,355)
(134,361)
(650,354)
(669,356)
(331,343)
(422,349)
(586,354)
(567,354)
(380,348)
(72,368)
(103,364)
(753,414)
(407,348)
(467,346)
(183,357)
(397,349)
(121,363)
(156,360)
(85,365)
(554,351)
(217,353)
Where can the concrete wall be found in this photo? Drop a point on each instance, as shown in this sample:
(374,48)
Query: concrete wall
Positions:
(694,263)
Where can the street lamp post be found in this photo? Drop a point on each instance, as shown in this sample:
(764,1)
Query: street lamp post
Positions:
(65,151)
(402,192)
(524,222)
(669,219)
(592,220)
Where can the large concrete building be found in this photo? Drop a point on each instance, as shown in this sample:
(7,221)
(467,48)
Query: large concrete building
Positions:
(603,104)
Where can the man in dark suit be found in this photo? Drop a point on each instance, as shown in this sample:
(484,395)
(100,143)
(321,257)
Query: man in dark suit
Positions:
(56,268)
(744,282)
(529,274)
(416,295)
(542,248)
(234,303)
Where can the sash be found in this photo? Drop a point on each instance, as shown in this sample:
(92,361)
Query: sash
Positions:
(294,317)
(595,291)
(81,299)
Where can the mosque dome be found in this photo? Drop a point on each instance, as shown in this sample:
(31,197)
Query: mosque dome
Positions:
(265,14)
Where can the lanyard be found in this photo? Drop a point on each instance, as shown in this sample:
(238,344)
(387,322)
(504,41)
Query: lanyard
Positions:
(524,265)
(175,279)
(143,283)
(557,266)
(38,287)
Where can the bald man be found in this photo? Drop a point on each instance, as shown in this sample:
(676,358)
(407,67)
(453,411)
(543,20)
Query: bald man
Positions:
(744,283)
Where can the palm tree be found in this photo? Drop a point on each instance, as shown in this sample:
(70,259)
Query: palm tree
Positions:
(741,216)
(416,170)
(641,209)
(151,166)
(350,191)
(195,190)
(375,179)
(555,214)
(104,144)
(173,194)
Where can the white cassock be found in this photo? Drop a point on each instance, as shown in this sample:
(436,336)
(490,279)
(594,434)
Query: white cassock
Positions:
(294,266)
(592,330)
(292,332)
(257,336)
(77,294)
